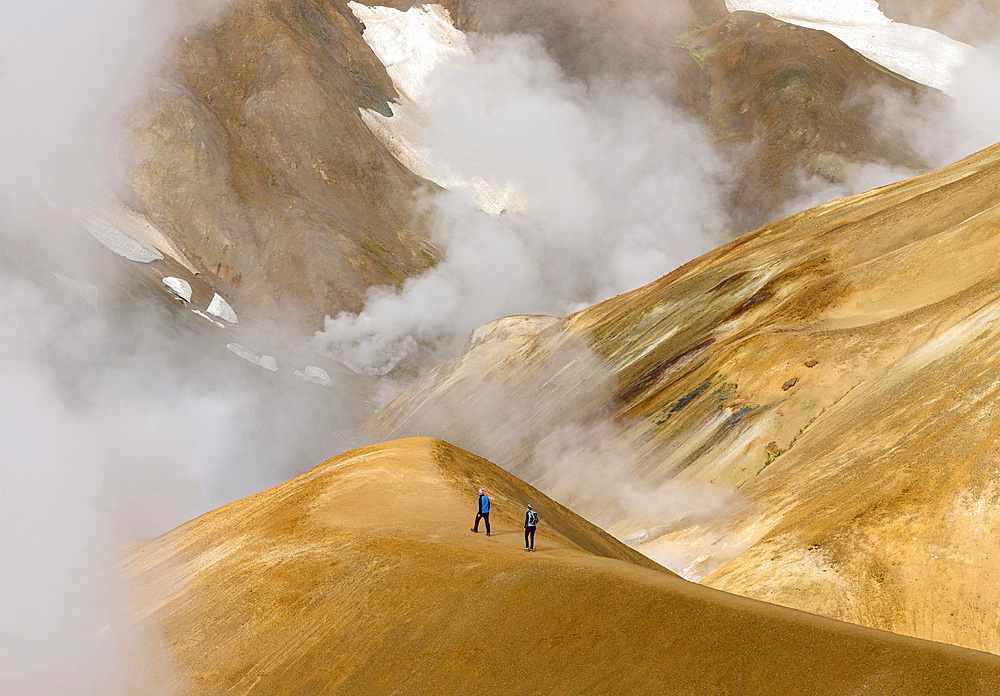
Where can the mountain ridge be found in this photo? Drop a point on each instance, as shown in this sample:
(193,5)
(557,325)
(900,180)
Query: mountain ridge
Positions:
(317,585)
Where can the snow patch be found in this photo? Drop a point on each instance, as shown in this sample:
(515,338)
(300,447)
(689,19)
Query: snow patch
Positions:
(180,287)
(268,362)
(316,375)
(831,11)
(411,45)
(130,234)
(921,54)
(220,308)
(205,316)
(120,243)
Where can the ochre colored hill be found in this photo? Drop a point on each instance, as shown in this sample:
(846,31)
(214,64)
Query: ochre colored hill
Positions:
(837,368)
(361,576)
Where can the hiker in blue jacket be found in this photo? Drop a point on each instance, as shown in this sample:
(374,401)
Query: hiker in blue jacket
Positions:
(530,522)
(482,512)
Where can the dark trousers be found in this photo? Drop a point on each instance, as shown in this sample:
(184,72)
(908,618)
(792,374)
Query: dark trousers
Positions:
(486,519)
(529,533)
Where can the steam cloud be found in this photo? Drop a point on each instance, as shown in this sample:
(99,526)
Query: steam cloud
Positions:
(116,422)
(620,188)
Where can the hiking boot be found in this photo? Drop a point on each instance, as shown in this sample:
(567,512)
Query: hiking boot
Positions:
(487,533)
(473,530)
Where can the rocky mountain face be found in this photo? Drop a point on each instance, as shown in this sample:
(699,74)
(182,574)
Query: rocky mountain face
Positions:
(834,370)
(789,103)
(251,155)
(361,576)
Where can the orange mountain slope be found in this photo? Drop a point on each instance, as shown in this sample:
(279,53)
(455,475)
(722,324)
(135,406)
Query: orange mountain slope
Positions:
(836,368)
(361,576)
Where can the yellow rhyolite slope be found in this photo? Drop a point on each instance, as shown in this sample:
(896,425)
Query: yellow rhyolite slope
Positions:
(839,368)
(361,576)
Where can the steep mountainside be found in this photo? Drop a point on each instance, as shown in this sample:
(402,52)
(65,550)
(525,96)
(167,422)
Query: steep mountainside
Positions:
(792,103)
(917,52)
(361,576)
(251,155)
(836,367)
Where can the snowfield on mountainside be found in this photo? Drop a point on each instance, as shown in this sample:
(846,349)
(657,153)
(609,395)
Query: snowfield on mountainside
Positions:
(921,54)
(411,45)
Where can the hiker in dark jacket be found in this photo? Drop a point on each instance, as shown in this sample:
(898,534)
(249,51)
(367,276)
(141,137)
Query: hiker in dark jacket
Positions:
(483,512)
(530,522)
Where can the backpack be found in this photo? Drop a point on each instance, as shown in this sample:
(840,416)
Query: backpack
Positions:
(532,518)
